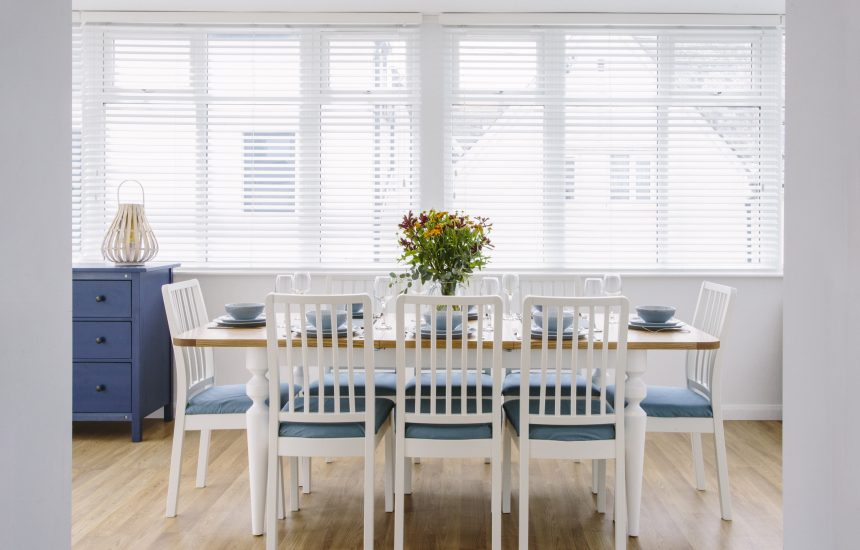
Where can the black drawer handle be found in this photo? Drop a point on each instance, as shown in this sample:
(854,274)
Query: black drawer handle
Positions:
(100,298)
(100,340)
(100,388)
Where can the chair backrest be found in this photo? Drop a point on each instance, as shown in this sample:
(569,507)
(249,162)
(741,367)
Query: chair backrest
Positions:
(586,356)
(341,353)
(547,286)
(444,366)
(712,313)
(185,309)
(348,284)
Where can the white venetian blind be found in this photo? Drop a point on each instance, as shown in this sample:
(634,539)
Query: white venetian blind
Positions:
(619,147)
(258,146)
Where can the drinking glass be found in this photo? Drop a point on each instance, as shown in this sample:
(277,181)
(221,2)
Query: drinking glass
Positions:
(593,287)
(284,284)
(302,282)
(511,284)
(490,287)
(382,293)
(612,284)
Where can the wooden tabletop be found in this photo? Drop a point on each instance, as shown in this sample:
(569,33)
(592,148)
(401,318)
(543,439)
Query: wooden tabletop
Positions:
(688,338)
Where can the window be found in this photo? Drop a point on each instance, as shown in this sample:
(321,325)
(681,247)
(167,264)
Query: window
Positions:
(590,147)
(619,147)
(258,146)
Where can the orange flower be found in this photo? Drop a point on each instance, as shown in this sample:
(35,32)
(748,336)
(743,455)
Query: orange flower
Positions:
(435,231)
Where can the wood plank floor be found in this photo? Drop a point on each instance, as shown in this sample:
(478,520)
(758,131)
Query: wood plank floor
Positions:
(119,491)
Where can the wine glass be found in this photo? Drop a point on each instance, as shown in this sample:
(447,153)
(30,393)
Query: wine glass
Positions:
(511,284)
(612,287)
(382,292)
(302,282)
(490,287)
(593,287)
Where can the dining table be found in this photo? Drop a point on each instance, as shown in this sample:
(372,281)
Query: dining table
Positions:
(639,343)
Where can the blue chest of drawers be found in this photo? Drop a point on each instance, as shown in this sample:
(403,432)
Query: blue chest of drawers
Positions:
(120,343)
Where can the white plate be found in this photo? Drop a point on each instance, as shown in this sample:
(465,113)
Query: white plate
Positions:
(442,335)
(639,323)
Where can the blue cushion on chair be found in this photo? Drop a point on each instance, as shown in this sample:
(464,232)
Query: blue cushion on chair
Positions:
(671,402)
(230,399)
(456,377)
(449,431)
(560,433)
(333,429)
(511,385)
(386,384)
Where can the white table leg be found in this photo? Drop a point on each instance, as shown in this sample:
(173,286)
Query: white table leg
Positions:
(634,427)
(257,420)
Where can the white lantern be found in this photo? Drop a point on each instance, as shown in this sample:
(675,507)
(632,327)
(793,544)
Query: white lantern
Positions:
(129,240)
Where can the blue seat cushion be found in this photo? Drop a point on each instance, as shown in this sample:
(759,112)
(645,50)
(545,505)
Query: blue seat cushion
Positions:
(323,430)
(456,384)
(230,399)
(386,384)
(548,432)
(511,385)
(671,402)
(450,431)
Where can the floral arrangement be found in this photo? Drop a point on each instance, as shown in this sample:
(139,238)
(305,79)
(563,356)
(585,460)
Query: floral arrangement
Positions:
(445,247)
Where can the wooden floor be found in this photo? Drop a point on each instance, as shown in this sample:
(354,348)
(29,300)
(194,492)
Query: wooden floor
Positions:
(119,491)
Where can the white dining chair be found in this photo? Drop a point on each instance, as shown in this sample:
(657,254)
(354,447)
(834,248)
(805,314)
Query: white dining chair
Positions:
(451,408)
(558,424)
(330,419)
(201,404)
(696,408)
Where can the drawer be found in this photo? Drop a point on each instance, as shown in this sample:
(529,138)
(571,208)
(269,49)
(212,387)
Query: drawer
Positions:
(101,387)
(101,340)
(101,298)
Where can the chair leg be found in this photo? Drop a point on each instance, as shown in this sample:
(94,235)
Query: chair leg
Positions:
(407,476)
(524,492)
(272,478)
(175,466)
(722,469)
(389,471)
(305,470)
(496,496)
(369,467)
(294,484)
(601,485)
(506,471)
(281,504)
(698,460)
(400,467)
(203,457)
(595,478)
(620,501)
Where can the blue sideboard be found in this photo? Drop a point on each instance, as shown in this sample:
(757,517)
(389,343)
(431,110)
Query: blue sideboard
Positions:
(120,343)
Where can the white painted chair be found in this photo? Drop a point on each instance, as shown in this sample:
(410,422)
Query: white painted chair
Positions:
(458,408)
(331,419)
(553,423)
(200,404)
(697,408)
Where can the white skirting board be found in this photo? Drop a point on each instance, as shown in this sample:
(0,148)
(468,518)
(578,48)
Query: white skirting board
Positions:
(752,412)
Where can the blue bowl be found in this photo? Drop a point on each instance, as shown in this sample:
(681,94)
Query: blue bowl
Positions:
(325,317)
(655,314)
(442,320)
(244,311)
(552,319)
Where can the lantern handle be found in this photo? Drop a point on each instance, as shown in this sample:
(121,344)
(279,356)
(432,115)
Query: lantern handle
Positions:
(142,192)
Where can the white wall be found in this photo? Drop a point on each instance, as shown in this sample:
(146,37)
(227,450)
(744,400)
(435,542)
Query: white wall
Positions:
(753,361)
(35,294)
(822,234)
